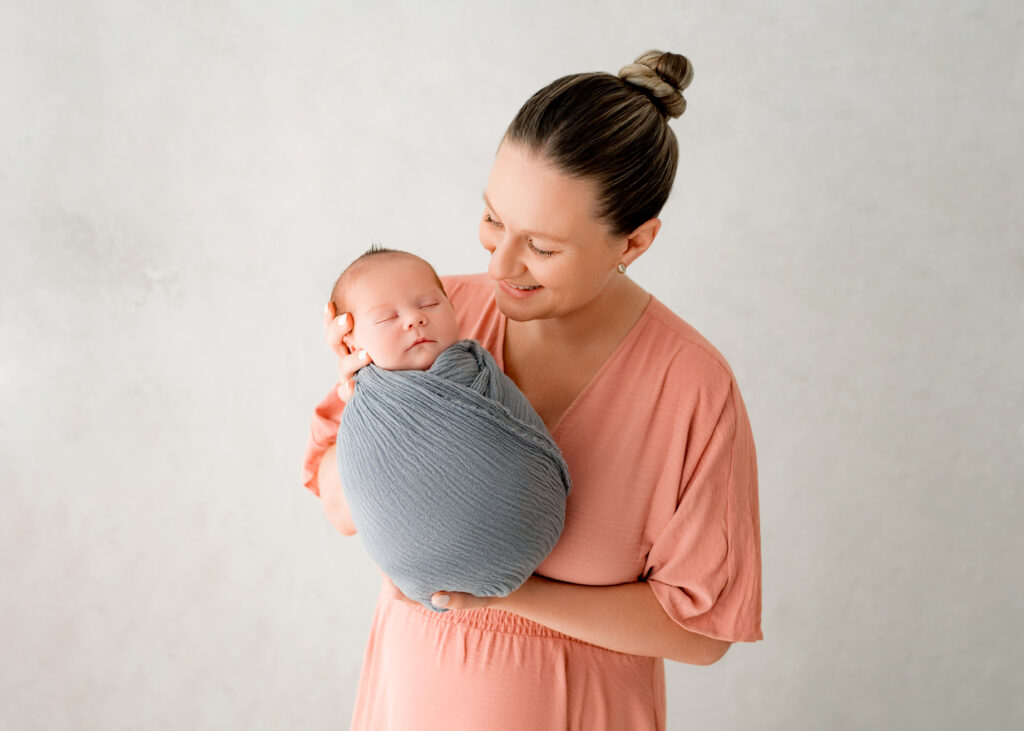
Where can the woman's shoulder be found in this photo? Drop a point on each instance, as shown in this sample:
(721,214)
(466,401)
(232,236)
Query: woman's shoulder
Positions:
(676,366)
(468,291)
(479,285)
(472,298)
(682,349)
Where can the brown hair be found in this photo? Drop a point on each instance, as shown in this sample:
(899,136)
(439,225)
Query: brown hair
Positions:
(614,131)
(375,253)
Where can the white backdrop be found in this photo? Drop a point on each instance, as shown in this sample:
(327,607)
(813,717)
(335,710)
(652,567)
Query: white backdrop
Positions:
(181,182)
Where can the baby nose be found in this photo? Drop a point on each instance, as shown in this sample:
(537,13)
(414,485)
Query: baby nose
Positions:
(416,318)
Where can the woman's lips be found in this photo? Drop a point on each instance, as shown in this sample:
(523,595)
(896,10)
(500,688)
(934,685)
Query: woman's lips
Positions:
(517,293)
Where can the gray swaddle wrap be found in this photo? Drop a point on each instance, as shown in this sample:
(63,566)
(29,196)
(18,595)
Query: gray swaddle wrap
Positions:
(452,479)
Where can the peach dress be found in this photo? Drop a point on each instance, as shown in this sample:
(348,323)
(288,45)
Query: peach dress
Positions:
(664,491)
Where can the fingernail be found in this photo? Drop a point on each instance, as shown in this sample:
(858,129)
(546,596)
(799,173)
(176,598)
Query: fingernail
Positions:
(363,355)
(340,319)
(326,306)
(441,600)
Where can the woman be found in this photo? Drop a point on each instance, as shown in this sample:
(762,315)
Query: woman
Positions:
(660,556)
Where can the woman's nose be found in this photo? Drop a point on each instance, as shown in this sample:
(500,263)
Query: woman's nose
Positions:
(504,261)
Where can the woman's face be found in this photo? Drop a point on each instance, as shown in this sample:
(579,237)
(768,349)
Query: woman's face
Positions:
(550,255)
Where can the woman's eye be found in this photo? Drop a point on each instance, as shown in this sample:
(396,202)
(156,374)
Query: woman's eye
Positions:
(540,252)
(488,219)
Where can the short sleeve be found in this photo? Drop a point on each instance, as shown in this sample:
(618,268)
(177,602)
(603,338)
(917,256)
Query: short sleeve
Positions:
(705,566)
(323,432)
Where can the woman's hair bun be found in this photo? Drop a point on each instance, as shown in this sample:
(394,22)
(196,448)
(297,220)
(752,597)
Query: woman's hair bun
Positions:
(664,75)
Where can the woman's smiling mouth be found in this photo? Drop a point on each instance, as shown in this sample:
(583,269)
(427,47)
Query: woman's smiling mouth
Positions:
(518,291)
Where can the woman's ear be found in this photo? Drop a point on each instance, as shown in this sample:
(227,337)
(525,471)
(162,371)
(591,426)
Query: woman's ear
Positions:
(640,240)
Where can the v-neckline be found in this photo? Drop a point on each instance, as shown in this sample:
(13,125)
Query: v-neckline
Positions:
(630,335)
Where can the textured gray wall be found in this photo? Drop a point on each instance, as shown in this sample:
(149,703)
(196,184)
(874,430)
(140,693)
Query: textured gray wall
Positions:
(180,182)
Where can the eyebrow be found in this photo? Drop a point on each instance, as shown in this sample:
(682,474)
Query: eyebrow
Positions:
(536,234)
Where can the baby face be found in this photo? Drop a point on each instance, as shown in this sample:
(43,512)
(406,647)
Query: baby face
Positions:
(400,315)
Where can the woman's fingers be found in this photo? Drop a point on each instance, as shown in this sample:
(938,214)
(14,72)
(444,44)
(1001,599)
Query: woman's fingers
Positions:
(456,600)
(444,599)
(337,328)
(347,367)
(329,313)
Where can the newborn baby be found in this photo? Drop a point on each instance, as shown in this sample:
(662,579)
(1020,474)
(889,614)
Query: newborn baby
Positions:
(452,479)
(400,313)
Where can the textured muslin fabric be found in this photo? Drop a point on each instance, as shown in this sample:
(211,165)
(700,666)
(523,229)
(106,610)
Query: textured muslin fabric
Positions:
(664,490)
(452,479)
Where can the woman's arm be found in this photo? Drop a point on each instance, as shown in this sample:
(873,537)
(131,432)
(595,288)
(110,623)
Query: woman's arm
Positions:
(626,618)
(332,496)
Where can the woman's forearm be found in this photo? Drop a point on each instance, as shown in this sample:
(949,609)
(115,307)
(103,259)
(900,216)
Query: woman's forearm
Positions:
(332,497)
(627,618)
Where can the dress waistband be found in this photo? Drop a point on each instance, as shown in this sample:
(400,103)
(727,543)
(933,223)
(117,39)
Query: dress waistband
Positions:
(491,620)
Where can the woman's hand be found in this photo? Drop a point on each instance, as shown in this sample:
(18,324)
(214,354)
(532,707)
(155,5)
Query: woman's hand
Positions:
(456,601)
(337,327)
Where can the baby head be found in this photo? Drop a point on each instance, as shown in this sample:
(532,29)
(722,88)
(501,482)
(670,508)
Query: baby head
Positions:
(400,313)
